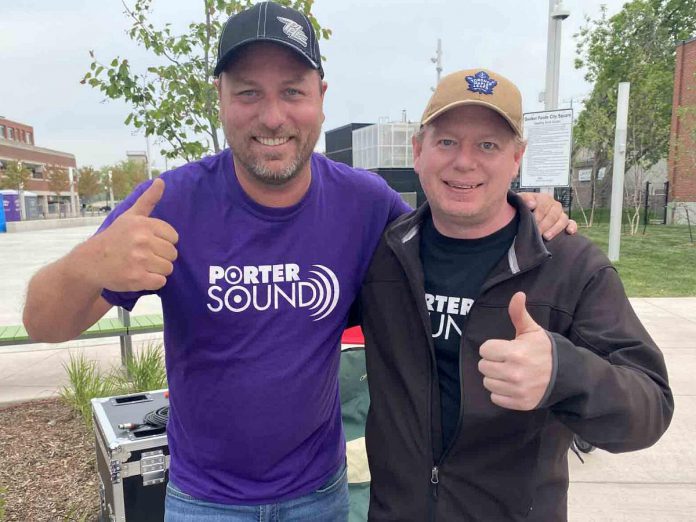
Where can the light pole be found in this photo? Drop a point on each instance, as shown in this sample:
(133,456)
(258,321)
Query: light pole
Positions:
(111,191)
(557,13)
(437,60)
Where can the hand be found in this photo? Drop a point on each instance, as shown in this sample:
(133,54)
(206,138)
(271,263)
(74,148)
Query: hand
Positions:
(549,214)
(518,372)
(136,252)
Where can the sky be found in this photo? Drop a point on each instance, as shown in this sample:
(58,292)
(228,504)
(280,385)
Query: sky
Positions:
(378,61)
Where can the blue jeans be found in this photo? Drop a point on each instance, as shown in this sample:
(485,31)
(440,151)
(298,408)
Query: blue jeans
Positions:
(329,503)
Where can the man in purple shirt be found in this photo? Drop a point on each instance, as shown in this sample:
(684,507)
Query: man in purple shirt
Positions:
(257,254)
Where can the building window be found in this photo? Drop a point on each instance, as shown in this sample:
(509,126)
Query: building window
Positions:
(2,131)
(37,173)
(30,141)
(10,133)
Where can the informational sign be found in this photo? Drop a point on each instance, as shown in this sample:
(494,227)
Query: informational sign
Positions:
(585,175)
(549,136)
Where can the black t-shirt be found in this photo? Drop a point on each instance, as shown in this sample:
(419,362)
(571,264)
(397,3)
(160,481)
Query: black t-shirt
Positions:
(454,271)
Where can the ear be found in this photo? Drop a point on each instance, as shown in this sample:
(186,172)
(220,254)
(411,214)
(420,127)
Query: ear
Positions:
(324,86)
(417,146)
(519,152)
(218,86)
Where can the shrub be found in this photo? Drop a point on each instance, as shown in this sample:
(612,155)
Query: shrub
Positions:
(144,371)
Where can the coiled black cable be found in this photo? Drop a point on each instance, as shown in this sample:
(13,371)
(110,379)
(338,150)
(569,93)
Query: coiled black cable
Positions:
(157,418)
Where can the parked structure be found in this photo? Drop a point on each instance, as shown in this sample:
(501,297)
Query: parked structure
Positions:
(17,143)
(682,154)
(384,148)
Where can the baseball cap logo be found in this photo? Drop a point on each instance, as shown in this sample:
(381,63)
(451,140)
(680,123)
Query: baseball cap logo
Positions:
(481,83)
(293,30)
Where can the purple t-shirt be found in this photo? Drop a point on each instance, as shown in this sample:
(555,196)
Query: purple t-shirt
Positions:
(253,315)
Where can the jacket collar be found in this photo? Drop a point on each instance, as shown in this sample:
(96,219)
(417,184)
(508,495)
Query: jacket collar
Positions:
(527,251)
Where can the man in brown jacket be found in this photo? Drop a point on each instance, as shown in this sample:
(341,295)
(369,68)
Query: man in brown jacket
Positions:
(487,348)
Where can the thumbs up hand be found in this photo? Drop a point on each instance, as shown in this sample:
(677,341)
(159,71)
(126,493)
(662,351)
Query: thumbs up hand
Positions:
(518,372)
(136,252)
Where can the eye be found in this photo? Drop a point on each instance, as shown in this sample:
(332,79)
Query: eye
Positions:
(446,142)
(292,92)
(488,145)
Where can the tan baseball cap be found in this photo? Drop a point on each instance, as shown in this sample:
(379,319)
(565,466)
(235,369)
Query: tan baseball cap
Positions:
(477,87)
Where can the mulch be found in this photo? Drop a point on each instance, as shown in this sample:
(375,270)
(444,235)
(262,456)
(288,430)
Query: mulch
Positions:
(47,463)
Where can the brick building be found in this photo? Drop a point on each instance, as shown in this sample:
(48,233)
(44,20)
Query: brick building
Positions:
(682,154)
(17,143)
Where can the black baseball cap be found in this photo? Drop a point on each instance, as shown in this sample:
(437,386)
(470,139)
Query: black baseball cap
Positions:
(269,22)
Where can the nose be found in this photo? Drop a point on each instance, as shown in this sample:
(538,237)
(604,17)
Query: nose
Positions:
(271,114)
(465,159)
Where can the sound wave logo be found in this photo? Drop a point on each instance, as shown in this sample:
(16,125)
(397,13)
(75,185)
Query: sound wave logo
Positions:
(327,292)
(273,287)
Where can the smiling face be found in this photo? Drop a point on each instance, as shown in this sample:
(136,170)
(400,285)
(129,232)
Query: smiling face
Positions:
(466,160)
(271,110)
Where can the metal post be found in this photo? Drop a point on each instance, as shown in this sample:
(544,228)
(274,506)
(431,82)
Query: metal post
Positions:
(645,210)
(553,58)
(71,180)
(149,163)
(617,184)
(111,191)
(664,217)
(125,339)
(437,60)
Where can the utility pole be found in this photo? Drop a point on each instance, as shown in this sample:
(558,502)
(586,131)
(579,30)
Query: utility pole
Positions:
(437,60)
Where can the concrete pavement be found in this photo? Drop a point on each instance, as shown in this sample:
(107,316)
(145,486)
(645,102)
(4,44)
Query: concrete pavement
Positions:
(657,484)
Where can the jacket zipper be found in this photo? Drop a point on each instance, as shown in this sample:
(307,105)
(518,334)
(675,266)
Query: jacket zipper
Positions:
(394,245)
(434,480)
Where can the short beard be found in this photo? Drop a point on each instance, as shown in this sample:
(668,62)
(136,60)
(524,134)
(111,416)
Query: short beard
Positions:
(274,177)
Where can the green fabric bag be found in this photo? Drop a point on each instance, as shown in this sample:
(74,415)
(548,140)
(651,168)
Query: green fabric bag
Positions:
(355,401)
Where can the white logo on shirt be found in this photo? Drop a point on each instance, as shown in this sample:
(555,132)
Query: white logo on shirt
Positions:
(272,287)
(448,308)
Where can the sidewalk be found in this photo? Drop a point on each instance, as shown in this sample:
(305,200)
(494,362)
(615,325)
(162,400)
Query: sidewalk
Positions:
(657,484)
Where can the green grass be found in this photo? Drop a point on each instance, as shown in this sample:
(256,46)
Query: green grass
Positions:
(2,503)
(86,383)
(661,263)
(145,371)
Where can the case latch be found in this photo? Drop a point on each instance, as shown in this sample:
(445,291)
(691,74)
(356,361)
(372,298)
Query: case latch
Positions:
(152,467)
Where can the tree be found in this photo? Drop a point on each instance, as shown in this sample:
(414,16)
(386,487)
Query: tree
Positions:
(88,182)
(58,180)
(590,133)
(175,98)
(15,176)
(636,45)
(125,176)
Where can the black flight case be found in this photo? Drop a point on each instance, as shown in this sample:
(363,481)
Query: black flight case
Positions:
(133,459)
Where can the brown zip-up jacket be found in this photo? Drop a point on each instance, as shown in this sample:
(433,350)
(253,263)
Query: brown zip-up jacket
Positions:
(609,382)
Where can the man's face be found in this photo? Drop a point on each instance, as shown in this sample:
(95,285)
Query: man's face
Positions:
(465,160)
(271,111)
